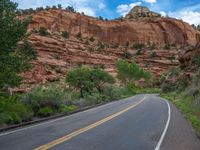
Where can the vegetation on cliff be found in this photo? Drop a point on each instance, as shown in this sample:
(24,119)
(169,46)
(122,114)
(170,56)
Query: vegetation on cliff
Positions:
(182,87)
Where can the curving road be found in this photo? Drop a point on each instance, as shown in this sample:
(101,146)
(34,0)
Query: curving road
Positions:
(142,122)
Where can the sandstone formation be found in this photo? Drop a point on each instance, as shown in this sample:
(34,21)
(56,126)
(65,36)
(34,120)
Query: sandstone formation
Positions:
(141,12)
(113,41)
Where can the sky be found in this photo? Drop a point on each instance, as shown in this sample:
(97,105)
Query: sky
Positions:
(187,10)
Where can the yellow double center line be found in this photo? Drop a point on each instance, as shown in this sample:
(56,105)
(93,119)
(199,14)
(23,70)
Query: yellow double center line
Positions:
(82,130)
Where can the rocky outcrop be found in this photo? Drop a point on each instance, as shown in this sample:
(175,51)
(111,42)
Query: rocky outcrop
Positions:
(187,55)
(154,30)
(114,40)
(141,12)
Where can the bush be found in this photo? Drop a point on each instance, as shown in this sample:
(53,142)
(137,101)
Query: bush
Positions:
(45,112)
(192,92)
(196,60)
(153,55)
(112,92)
(114,45)
(79,36)
(5,118)
(167,46)
(65,34)
(22,111)
(43,31)
(168,87)
(152,46)
(138,46)
(66,109)
(139,52)
(91,39)
(9,118)
(126,55)
(53,97)
(15,110)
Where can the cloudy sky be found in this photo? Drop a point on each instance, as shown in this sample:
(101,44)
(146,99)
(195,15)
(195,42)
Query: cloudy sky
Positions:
(187,10)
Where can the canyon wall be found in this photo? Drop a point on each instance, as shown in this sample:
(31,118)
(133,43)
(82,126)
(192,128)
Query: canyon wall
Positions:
(113,41)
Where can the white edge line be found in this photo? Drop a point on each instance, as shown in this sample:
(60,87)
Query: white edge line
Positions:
(47,122)
(166,127)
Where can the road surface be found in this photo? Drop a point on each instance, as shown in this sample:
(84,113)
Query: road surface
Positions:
(142,122)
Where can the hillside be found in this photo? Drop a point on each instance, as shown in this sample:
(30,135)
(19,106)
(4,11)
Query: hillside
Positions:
(151,40)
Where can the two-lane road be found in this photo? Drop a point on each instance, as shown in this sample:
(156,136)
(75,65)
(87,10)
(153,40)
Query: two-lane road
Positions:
(142,122)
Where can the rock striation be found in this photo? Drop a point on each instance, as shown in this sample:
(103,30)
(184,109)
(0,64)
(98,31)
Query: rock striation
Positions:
(113,40)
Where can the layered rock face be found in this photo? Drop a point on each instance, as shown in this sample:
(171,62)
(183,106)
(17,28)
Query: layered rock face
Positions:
(113,41)
(141,12)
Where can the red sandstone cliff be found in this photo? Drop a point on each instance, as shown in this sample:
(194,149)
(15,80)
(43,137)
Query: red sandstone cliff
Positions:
(56,54)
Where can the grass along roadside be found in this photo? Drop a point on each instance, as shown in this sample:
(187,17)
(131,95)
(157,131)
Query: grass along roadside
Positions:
(188,106)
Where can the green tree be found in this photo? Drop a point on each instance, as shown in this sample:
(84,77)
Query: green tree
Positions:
(70,8)
(87,79)
(128,72)
(100,78)
(13,59)
(59,6)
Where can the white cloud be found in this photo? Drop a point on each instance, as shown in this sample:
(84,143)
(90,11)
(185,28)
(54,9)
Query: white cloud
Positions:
(123,9)
(164,14)
(190,14)
(101,6)
(192,17)
(87,6)
(150,1)
(87,10)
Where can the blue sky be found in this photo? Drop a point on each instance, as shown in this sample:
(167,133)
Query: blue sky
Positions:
(187,10)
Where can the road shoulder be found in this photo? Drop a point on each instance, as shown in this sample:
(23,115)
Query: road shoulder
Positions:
(180,134)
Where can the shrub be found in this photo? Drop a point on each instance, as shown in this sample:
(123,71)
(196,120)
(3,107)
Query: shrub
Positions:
(139,52)
(153,55)
(43,31)
(126,45)
(95,98)
(126,55)
(5,118)
(192,92)
(79,36)
(66,109)
(91,49)
(167,46)
(114,45)
(9,118)
(45,112)
(138,46)
(100,45)
(196,60)
(91,39)
(168,87)
(112,92)
(65,34)
(56,56)
(20,110)
(58,69)
(15,109)
(53,97)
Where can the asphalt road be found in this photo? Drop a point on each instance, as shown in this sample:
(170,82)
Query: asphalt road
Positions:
(142,122)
